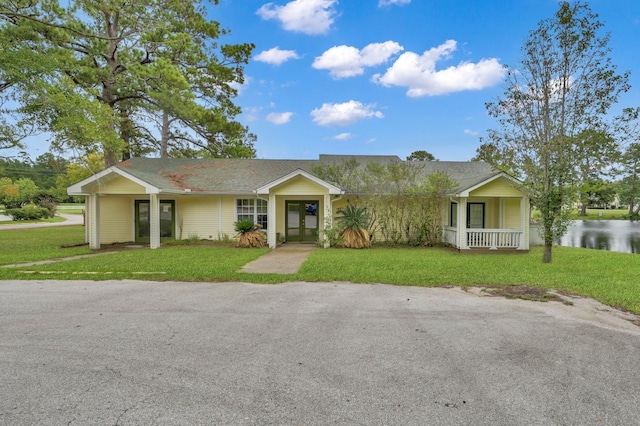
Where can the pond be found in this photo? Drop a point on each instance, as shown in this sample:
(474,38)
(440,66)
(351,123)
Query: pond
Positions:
(613,235)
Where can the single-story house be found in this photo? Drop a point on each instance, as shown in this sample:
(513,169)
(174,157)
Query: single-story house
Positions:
(149,199)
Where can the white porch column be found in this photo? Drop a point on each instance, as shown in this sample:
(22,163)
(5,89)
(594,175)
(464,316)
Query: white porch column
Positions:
(272,236)
(524,222)
(154,221)
(327,220)
(462,223)
(92,221)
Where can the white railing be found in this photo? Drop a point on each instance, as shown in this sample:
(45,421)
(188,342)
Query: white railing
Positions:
(494,238)
(451,236)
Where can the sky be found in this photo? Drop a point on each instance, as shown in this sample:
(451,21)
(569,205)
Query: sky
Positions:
(389,77)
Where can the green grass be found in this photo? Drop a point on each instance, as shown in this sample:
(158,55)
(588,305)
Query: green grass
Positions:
(595,214)
(607,276)
(26,245)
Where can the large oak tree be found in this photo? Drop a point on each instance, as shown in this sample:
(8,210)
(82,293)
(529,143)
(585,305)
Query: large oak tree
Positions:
(124,77)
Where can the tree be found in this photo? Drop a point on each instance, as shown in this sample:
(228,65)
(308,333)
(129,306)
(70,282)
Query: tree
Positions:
(629,185)
(102,69)
(628,127)
(594,151)
(76,171)
(564,84)
(421,156)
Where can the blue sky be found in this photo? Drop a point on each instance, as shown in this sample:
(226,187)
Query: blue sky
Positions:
(391,77)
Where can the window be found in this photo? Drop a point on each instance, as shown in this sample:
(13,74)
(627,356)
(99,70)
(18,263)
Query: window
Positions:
(475,215)
(252,209)
(453,220)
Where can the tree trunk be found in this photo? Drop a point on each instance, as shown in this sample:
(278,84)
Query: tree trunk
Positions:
(583,209)
(547,252)
(164,137)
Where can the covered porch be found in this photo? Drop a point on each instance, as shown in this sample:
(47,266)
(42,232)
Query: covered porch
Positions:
(491,216)
(300,206)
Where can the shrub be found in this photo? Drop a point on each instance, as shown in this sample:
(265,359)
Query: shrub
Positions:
(353,221)
(28,212)
(249,234)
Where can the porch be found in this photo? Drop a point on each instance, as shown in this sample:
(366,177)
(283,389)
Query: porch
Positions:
(492,239)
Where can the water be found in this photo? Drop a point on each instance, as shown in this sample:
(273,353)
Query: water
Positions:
(612,235)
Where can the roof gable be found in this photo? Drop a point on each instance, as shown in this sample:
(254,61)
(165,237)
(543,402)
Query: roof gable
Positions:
(332,189)
(86,186)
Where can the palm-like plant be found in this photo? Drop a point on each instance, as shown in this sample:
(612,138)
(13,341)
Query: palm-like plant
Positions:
(353,221)
(249,234)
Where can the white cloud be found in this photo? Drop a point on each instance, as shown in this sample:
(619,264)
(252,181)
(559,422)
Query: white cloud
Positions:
(343,114)
(347,61)
(418,73)
(305,16)
(470,132)
(276,56)
(342,136)
(383,3)
(279,117)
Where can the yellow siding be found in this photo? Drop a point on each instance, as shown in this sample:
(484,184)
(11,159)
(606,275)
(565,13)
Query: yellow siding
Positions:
(229,215)
(197,217)
(500,187)
(299,185)
(512,213)
(116,220)
(120,185)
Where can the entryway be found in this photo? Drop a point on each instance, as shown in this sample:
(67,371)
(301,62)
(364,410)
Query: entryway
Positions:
(301,221)
(143,220)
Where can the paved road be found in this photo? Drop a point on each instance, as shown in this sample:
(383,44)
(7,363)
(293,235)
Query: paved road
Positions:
(70,220)
(129,353)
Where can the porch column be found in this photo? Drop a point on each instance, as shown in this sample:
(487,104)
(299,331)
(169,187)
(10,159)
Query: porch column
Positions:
(462,223)
(92,221)
(327,220)
(272,236)
(524,222)
(154,221)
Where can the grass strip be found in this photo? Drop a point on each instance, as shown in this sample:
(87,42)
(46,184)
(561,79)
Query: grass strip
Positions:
(609,277)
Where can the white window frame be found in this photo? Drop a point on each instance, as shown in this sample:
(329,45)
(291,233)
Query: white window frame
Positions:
(254,209)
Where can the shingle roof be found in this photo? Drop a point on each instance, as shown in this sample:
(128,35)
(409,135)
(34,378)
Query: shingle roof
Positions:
(238,176)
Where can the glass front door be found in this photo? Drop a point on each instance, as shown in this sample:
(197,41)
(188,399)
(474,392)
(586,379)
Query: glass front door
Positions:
(143,219)
(301,221)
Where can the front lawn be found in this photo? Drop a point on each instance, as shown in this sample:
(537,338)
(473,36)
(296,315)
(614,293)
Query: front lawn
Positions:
(607,276)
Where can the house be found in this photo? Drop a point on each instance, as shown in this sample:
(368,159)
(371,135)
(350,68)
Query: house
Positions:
(149,199)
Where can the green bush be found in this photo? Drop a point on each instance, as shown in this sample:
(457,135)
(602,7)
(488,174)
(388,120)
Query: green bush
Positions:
(244,225)
(28,212)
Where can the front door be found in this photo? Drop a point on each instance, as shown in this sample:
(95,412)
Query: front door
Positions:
(475,215)
(301,221)
(143,219)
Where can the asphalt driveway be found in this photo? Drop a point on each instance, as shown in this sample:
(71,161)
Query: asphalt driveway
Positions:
(129,353)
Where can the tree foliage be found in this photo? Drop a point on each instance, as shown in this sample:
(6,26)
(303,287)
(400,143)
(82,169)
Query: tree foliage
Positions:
(404,204)
(564,85)
(100,74)
(421,155)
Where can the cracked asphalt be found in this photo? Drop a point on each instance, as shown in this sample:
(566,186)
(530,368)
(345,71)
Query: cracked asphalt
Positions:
(147,353)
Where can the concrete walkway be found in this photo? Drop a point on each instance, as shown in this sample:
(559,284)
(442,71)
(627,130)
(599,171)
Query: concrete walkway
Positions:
(285,259)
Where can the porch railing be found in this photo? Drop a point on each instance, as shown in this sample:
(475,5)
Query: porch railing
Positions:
(494,238)
(450,236)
